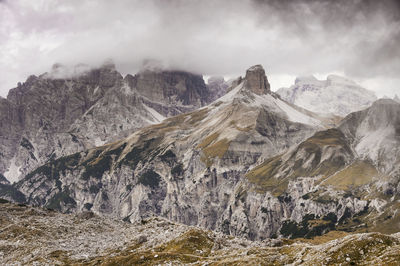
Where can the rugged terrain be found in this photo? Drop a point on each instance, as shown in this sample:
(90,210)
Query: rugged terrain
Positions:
(64,111)
(335,95)
(34,236)
(248,165)
(214,168)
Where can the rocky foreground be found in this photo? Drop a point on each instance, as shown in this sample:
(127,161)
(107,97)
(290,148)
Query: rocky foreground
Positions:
(35,236)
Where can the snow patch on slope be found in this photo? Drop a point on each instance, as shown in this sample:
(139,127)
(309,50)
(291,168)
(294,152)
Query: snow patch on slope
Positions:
(156,115)
(13,172)
(99,142)
(296,116)
(232,94)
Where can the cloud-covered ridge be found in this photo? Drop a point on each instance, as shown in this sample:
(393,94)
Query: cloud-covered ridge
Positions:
(359,38)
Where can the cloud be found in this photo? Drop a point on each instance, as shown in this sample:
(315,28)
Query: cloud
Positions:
(359,38)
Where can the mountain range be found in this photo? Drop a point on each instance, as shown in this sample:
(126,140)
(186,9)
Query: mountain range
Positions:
(335,95)
(232,157)
(49,116)
(248,164)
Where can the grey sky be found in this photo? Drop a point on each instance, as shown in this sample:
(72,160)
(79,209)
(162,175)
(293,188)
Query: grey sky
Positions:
(359,39)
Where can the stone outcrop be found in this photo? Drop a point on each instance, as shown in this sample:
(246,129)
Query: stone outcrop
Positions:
(66,111)
(217,86)
(38,113)
(178,87)
(256,80)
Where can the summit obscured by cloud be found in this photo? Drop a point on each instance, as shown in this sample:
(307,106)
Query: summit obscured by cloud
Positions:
(360,39)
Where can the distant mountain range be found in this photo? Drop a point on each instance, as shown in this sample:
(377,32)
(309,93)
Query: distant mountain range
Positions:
(335,95)
(163,143)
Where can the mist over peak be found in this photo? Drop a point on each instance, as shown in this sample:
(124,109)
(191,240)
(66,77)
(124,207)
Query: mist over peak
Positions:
(359,38)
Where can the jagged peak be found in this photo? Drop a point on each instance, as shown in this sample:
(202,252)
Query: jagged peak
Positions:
(256,81)
(306,79)
(61,71)
(31,79)
(336,79)
(152,65)
(108,64)
(385,101)
(215,79)
(330,80)
(255,68)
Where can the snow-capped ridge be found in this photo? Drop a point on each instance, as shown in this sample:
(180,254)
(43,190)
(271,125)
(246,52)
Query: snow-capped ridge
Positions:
(335,95)
(336,79)
(308,80)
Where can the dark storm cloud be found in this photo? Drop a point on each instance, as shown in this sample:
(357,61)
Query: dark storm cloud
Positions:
(358,38)
(371,30)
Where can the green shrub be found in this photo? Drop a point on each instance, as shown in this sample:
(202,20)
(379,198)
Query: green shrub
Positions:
(61,197)
(3,201)
(144,152)
(309,227)
(12,192)
(177,170)
(97,169)
(168,156)
(150,179)
(306,196)
(88,206)
(26,144)
(94,189)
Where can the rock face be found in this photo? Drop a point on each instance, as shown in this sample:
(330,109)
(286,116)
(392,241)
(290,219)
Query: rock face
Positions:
(217,86)
(182,91)
(190,168)
(375,133)
(248,165)
(39,113)
(59,113)
(256,80)
(335,95)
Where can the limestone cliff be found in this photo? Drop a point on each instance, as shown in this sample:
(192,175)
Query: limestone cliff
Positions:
(61,112)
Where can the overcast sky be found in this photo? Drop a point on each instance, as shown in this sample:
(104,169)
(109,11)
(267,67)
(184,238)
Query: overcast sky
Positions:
(358,39)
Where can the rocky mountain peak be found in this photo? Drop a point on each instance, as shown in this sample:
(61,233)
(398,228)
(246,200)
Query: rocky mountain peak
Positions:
(339,80)
(385,111)
(174,87)
(215,80)
(256,81)
(152,65)
(336,95)
(309,80)
(82,106)
(217,86)
(108,64)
